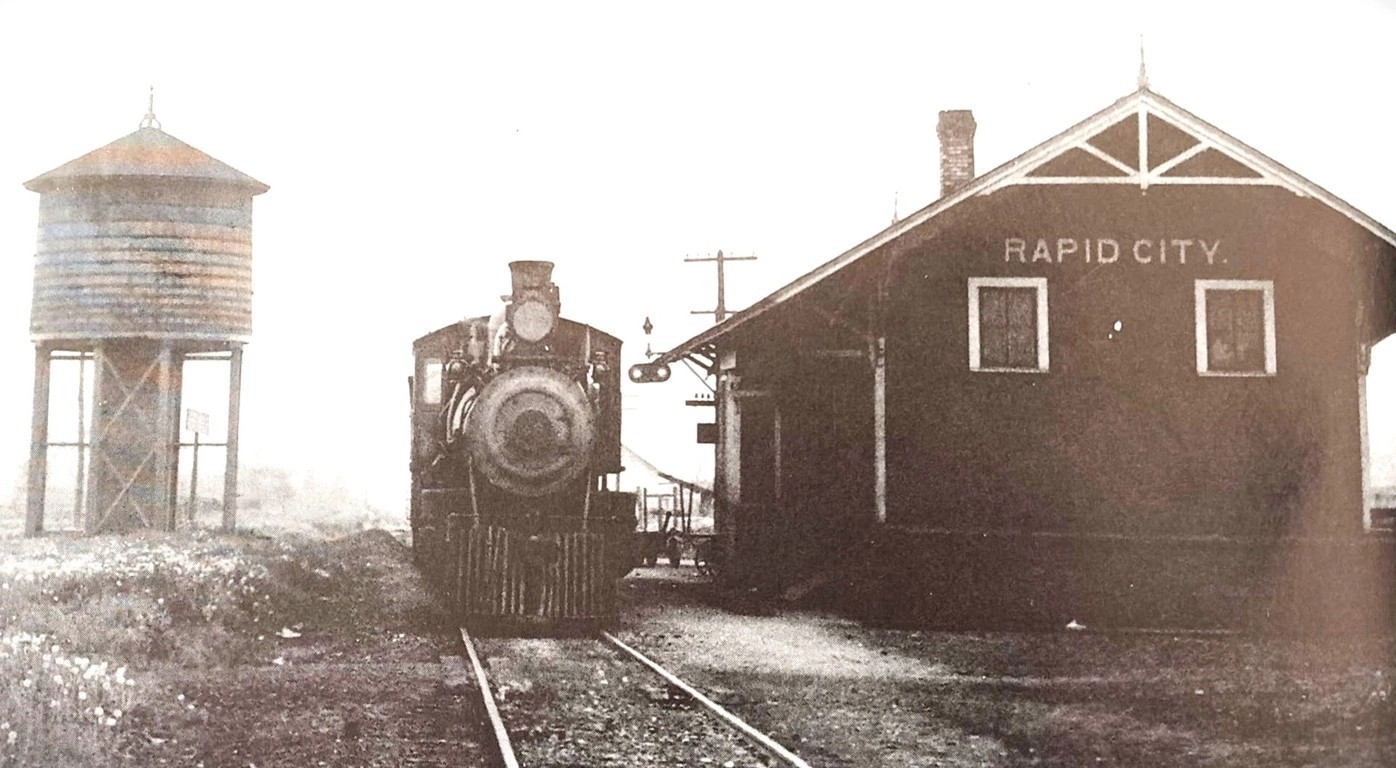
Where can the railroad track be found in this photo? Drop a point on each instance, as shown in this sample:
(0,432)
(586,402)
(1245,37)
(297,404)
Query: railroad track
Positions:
(661,726)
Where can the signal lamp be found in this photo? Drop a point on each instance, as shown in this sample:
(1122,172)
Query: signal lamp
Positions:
(649,373)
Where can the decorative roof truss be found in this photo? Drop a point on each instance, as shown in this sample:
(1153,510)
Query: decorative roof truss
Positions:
(1144,146)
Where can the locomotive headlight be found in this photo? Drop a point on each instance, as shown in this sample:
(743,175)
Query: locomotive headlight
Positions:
(533,320)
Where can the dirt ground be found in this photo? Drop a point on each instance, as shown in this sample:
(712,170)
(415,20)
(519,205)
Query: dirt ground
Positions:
(364,688)
(362,691)
(361,712)
(840,694)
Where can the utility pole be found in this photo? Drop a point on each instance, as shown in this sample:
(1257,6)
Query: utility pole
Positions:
(720,313)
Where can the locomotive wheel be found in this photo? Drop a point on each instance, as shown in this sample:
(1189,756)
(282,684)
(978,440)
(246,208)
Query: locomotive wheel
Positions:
(531,431)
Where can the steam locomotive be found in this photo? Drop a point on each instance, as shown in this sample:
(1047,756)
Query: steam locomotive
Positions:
(515,441)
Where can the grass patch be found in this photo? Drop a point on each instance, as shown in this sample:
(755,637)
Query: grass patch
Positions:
(89,627)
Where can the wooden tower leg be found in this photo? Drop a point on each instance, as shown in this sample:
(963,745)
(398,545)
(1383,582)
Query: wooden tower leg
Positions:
(230,472)
(38,446)
(90,512)
(80,482)
(175,405)
(167,424)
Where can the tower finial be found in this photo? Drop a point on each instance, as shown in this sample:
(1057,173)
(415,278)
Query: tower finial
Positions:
(149,121)
(1143,73)
(895,217)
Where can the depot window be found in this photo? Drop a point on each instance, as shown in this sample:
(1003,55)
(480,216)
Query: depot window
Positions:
(1008,324)
(431,382)
(1235,327)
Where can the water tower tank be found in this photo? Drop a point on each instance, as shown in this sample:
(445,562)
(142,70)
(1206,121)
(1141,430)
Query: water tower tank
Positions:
(146,237)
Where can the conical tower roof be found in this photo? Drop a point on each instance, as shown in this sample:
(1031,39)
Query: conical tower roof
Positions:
(147,153)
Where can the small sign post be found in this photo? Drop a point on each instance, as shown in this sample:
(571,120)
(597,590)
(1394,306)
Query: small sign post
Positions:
(196,422)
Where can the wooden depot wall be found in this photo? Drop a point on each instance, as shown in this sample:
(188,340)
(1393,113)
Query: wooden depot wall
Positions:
(1121,434)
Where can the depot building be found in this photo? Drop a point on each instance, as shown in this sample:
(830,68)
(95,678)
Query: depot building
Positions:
(1121,377)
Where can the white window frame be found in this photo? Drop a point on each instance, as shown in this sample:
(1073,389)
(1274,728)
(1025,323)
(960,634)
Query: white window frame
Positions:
(1267,290)
(1038,283)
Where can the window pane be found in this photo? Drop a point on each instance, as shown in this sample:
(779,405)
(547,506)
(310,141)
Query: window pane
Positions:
(1221,347)
(431,382)
(1236,331)
(1249,314)
(1008,327)
(1022,328)
(993,328)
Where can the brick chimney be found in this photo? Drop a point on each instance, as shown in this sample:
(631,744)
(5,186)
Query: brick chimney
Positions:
(956,133)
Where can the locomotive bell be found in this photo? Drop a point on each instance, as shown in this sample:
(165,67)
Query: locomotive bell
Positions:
(534,304)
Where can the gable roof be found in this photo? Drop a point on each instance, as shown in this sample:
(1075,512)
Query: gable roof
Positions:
(1170,146)
(147,153)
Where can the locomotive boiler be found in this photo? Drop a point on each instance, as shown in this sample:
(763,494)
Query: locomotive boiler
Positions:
(515,447)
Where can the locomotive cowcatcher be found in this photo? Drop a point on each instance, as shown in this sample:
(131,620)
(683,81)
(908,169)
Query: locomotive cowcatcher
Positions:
(515,440)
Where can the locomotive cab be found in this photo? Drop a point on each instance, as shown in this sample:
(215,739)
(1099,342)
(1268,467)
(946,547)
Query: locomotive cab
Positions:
(515,438)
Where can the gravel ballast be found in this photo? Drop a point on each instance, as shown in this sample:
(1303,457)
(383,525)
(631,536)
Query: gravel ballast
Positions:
(578,702)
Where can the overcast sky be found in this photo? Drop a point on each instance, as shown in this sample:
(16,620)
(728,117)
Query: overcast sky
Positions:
(413,149)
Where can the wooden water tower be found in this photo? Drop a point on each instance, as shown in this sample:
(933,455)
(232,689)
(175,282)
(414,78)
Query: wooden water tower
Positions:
(144,261)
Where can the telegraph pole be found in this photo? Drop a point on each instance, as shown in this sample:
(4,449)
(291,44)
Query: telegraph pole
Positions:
(720,313)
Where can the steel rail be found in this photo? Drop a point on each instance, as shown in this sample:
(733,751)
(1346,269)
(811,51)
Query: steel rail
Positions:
(766,743)
(501,735)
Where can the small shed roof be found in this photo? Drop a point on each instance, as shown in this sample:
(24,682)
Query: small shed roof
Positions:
(687,485)
(1142,138)
(147,153)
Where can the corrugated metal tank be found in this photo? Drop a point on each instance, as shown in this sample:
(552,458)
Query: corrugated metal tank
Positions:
(146,237)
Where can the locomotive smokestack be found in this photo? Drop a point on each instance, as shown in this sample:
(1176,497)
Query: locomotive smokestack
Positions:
(530,274)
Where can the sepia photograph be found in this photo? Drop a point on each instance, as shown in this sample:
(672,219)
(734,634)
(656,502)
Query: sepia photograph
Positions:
(730,384)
